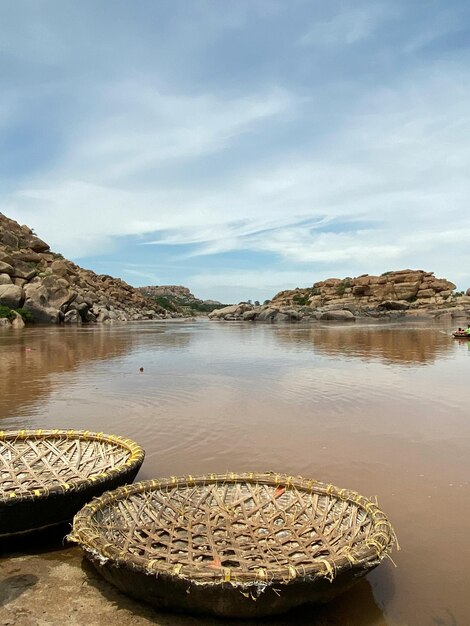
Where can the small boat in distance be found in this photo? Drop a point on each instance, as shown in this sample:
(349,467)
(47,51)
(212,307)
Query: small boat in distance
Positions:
(460,335)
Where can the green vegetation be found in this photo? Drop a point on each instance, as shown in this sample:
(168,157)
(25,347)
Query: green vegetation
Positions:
(173,303)
(342,286)
(26,315)
(202,307)
(5,311)
(301,300)
(165,303)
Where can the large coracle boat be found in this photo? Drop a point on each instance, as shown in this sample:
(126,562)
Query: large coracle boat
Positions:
(46,476)
(233,545)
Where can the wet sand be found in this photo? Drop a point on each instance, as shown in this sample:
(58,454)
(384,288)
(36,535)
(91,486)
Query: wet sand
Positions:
(382,409)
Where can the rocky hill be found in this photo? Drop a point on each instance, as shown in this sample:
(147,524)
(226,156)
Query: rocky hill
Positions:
(179,299)
(176,292)
(393,294)
(393,290)
(47,288)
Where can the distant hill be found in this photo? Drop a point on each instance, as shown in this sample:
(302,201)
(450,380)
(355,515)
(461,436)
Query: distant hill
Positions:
(179,299)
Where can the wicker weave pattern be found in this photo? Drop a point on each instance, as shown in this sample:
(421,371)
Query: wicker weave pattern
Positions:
(38,463)
(235,528)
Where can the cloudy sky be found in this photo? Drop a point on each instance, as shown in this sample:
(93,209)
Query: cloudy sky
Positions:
(239,147)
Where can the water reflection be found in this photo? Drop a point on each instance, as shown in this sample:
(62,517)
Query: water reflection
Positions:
(34,361)
(394,344)
(353,406)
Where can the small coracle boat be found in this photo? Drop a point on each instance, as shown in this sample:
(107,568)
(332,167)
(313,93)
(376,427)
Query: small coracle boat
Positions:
(460,335)
(46,476)
(233,545)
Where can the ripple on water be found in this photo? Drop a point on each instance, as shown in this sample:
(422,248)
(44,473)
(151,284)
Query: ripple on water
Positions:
(380,409)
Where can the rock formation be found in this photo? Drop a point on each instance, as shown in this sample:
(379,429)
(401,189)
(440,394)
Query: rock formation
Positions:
(393,294)
(179,299)
(405,287)
(52,289)
(168,291)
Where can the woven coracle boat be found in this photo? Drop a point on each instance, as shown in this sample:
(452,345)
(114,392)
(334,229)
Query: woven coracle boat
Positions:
(46,476)
(233,545)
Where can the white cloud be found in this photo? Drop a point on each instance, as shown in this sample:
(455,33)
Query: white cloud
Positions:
(398,163)
(251,278)
(241,285)
(149,127)
(349,25)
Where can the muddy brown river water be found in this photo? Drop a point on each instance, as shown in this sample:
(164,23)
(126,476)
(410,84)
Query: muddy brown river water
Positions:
(382,409)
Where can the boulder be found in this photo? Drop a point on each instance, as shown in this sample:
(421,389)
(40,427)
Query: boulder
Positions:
(24,270)
(72,317)
(80,307)
(59,268)
(281,317)
(38,245)
(236,310)
(360,290)
(28,256)
(11,296)
(6,268)
(293,314)
(393,305)
(103,316)
(338,316)
(4,322)
(426,293)
(442,285)
(5,279)
(9,239)
(405,276)
(249,315)
(45,297)
(407,290)
(378,280)
(18,322)
(267,314)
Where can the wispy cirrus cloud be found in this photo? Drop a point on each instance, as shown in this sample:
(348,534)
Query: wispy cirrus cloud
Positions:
(351,25)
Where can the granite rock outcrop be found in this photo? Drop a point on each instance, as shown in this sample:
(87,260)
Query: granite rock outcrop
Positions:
(179,299)
(52,289)
(397,294)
